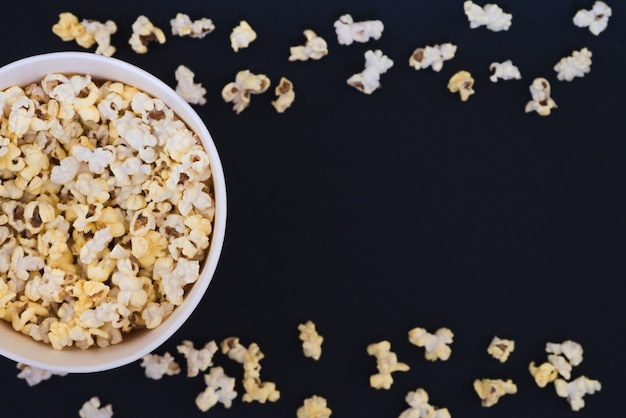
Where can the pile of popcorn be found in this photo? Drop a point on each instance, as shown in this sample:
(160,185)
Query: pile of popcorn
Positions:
(107,210)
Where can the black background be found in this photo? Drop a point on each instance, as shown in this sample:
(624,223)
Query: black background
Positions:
(371,215)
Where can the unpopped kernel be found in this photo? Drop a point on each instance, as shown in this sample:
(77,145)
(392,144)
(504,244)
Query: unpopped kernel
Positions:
(107,210)
(386,363)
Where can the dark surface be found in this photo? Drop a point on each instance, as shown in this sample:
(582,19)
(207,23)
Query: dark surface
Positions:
(371,215)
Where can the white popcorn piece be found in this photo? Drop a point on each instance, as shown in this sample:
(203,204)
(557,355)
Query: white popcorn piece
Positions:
(192,92)
(219,388)
(436,345)
(561,365)
(95,246)
(197,360)
(570,349)
(543,374)
(250,358)
(500,348)
(245,84)
(66,171)
(242,36)
(491,390)
(182,25)
(491,16)
(432,56)
(315,48)
(504,71)
(576,65)
(386,363)
(349,31)
(101,33)
(144,32)
(314,407)
(34,375)
(92,409)
(576,390)
(462,82)
(286,95)
(595,19)
(368,80)
(311,340)
(541,101)
(157,366)
(419,406)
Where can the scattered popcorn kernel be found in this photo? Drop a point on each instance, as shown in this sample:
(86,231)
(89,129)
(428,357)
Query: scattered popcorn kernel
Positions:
(315,48)
(596,19)
(386,363)
(541,101)
(157,366)
(250,358)
(490,390)
(500,349)
(219,388)
(561,365)
(92,409)
(101,33)
(504,71)
(575,390)
(182,25)
(197,360)
(69,28)
(369,80)
(349,31)
(286,95)
(432,56)
(311,340)
(34,375)
(242,36)
(419,406)
(570,349)
(543,374)
(576,65)
(462,83)
(491,16)
(314,407)
(144,32)
(436,345)
(192,92)
(245,84)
